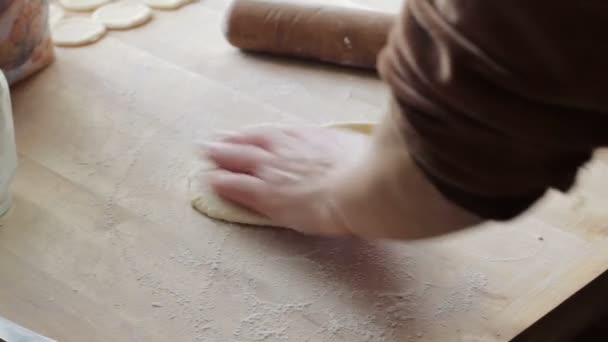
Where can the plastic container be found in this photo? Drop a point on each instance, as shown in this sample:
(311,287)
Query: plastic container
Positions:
(25,39)
(8,151)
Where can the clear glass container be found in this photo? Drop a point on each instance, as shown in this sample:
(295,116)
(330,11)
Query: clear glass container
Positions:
(25,48)
(8,151)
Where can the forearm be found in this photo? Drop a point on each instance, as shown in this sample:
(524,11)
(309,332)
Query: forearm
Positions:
(387,195)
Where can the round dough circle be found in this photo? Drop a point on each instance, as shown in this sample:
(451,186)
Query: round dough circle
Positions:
(122,15)
(56,13)
(210,204)
(82,5)
(166,4)
(77,32)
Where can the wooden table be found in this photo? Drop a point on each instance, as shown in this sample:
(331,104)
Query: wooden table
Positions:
(102,244)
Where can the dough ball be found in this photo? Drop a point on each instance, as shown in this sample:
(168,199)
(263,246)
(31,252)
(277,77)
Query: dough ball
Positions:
(166,4)
(122,15)
(208,203)
(56,13)
(361,127)
(82,5)
(77,32)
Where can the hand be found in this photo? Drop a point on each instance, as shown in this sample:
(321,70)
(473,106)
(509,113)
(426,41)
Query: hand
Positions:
(287,173)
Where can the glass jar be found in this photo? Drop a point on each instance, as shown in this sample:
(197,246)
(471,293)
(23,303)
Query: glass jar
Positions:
(8,151)
(25,39)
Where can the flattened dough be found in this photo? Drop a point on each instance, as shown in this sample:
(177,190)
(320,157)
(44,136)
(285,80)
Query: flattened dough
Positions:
(211,205)
(56,13)
(166,4)
(77,32)
(122,15)
(82,5)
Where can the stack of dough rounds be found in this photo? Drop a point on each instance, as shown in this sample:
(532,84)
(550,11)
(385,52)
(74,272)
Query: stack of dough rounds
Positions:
(108,14)
(82,5)
(77,31)
(208,203)
(166,4)
(122,15)
(56,13)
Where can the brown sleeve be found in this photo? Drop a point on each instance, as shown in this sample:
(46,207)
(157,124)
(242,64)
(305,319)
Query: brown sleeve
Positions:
(500,100)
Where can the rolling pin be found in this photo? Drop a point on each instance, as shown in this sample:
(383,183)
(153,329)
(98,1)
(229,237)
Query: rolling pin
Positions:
(338,35)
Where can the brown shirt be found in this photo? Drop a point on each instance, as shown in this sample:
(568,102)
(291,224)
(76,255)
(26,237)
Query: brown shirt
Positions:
(501,100)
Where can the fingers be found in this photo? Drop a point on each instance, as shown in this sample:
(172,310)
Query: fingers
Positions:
(246,150)
(277,176)
(261,136)
(236,157)
(245,190)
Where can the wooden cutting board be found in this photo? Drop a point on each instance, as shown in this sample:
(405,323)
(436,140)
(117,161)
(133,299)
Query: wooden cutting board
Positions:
(102,244)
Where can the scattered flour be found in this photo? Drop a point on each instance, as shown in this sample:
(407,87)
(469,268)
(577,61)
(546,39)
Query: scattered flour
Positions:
(353,291)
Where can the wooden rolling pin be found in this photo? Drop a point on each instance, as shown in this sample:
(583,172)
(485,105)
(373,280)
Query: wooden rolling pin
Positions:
(339,35)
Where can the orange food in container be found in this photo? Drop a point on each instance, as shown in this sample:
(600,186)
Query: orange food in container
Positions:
(25,39)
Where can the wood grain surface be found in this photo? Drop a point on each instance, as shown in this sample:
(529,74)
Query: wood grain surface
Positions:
(102,244)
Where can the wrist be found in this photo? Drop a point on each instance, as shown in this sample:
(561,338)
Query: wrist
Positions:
(347,202)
